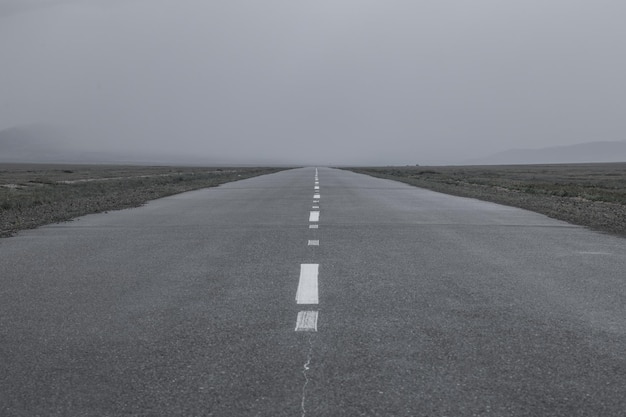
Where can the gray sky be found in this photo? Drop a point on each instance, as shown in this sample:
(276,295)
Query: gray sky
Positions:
(318,82)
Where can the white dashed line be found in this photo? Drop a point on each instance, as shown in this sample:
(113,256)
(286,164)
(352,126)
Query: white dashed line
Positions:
(314,242)
(314,226)
(307,285)
(317,196)
(316,188)
(316,207)
(314,216)
(307,321)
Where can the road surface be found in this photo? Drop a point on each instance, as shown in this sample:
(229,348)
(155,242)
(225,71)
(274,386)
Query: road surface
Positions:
(271,297)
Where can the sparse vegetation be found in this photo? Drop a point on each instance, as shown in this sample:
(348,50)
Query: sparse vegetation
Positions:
(34,195)
(592,195)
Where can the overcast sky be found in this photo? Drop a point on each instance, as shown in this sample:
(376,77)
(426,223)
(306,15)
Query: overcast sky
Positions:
(319,81)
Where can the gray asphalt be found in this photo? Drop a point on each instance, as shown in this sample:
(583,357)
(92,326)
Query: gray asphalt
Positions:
(430,305)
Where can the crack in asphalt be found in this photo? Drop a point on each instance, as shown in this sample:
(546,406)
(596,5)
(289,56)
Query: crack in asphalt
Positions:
(305,370)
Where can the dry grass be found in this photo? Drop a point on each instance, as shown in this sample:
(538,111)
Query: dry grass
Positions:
(32,195)
(592,195)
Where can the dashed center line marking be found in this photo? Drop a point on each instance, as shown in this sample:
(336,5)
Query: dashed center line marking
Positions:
(313,226)
(315,207)
(317,187)
(314,216)
(314,242)
(307,285)
(316,196)
(307,321)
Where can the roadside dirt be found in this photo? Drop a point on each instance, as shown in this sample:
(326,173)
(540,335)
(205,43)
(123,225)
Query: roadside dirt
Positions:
(35,195)
(559,203)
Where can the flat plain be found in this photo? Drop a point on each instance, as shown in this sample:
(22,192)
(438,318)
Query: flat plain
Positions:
(591,195)
(428,305)
(32,195)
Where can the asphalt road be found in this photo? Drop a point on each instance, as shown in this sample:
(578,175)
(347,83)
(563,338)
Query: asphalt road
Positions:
(427,305)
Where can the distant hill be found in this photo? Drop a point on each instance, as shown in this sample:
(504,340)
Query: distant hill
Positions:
(36,143)
(49,144)
(580,153)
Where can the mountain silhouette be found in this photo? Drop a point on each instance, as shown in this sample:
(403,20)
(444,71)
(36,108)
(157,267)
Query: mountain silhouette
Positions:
(56,145)
(604,151)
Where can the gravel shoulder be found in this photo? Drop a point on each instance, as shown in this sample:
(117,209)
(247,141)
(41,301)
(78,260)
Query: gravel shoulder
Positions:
(33,195)
(591,195)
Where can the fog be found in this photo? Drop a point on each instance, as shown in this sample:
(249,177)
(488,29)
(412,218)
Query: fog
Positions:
(317,82)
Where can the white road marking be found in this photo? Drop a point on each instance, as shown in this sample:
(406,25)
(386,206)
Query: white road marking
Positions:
(307,321)
(316,196)
(314,226)
(314,242)
(315,201)
(316,207)
(317,187)
(307,285)
(314,216)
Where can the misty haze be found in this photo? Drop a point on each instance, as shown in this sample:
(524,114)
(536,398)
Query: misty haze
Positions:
(370,82)
(312,208)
